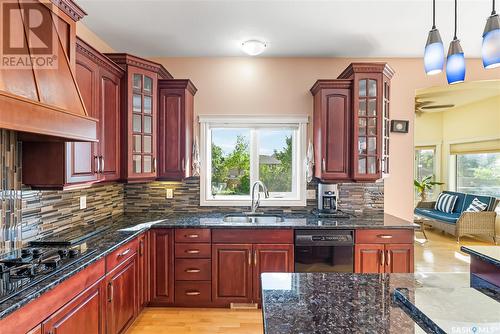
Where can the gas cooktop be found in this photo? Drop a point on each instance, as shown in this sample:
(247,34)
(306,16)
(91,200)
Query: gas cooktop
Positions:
(23,268)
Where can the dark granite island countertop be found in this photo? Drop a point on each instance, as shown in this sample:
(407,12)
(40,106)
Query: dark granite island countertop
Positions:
(327,303)
(490,254)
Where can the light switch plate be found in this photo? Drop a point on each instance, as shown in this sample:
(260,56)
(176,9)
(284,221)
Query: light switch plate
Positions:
(311,194)
(83,202)
(170,194)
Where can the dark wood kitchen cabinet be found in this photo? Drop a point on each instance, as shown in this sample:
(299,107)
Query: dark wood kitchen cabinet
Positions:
(143,270)
(162,267)
(332,118)
(370,117)
(121,296)
(139,112)
(83,314)
(240,256)
(175,128)
(384,251)
(65,165)
(351,124)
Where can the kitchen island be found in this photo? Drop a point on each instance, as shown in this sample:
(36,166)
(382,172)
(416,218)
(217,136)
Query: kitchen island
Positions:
(484,265)
(295,303)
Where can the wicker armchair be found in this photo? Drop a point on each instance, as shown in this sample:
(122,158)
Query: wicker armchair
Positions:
(472,223)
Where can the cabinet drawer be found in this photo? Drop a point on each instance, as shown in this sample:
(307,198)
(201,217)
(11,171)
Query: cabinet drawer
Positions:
(249,236)
(192,235)
(384,236)
(192,293)
(193,251)
(121,254)
(192,270)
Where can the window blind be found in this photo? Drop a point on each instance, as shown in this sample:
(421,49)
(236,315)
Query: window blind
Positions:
(487,146)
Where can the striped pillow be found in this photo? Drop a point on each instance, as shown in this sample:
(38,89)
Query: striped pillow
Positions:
(446,203)
(476,206)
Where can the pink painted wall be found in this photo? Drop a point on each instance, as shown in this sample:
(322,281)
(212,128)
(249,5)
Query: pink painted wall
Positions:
(280,86)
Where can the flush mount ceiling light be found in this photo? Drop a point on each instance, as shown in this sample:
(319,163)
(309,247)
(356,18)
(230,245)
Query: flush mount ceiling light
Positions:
(490,50)
(455,63)
(434,50)
(253,47)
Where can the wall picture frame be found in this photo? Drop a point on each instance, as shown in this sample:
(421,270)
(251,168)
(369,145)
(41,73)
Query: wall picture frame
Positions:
(399,126)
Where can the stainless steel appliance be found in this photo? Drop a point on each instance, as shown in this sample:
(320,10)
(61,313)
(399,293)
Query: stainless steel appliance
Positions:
(327,198)
(324,251)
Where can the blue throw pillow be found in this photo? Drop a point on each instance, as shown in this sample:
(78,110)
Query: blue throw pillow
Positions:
(446,203)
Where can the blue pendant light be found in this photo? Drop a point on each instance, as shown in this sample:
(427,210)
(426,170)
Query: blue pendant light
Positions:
(434,50)
(491,41)
(455,63)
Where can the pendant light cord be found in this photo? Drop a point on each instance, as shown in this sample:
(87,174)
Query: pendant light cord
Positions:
(455,35)
(434,14)
(493,12)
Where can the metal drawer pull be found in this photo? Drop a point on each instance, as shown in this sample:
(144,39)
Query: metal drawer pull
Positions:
(382,259)
(192,236)
(388,258)
(255,258)
(192,270)
(193,293)
(192,251)
(384,236)
(110,292)
(125,252)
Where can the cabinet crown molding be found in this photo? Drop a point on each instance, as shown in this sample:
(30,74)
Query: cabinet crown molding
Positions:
(178,84)
(330,83)
(70,8)
(86,49)
(367,68)
(124,59)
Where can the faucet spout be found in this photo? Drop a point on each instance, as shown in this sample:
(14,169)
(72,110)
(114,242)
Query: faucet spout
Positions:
(256,201)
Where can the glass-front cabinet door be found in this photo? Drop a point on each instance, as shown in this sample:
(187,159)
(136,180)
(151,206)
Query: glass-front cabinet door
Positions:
(143,121)
(368,131)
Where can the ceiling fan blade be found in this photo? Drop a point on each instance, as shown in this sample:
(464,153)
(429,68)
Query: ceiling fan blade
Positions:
(439,106)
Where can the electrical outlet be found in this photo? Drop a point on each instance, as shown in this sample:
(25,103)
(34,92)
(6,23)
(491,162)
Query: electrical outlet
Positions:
(311,194)
(170,193)
(83,202)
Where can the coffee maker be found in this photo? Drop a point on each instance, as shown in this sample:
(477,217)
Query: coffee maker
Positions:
(327,198)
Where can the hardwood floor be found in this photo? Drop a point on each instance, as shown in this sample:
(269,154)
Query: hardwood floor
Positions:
(440,253)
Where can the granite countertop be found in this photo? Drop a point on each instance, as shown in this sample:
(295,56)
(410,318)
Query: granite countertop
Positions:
(489,254)
(121,229)
(324,303)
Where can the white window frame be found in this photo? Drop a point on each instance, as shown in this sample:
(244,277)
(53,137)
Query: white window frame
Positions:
(299,123)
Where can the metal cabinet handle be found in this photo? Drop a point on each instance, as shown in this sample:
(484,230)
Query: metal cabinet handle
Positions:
(110,292)
(250,258)
(192,236)
(192,251)
(154,165)
(102,164)
(193,293)
(125,252)
(96,164)
(384,236)
(382,258)
(192,270)
(255,258)
(388,258)
(141,248)
(323,165)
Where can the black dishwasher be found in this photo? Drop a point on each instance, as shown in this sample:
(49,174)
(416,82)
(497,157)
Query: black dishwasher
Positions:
(324,251)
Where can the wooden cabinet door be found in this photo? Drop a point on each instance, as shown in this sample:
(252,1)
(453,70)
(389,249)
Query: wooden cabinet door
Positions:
(83,314)
(231,273)
(369,258)
(36,330)
(336,124)
(121,297)
(143,270)
(268,258)
(399,258)
(171,146)
(162,267)
(109,124)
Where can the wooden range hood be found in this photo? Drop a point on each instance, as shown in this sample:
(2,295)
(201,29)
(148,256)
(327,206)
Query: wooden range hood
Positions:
(46,101)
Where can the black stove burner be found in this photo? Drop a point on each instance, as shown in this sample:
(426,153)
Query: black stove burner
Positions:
(21,269)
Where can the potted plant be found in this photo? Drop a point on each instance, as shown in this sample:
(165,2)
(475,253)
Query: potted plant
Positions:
(424,185)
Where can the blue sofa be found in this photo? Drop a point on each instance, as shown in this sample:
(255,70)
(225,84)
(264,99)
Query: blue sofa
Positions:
(459,222)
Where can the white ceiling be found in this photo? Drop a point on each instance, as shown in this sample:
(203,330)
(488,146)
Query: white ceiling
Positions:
(355,28)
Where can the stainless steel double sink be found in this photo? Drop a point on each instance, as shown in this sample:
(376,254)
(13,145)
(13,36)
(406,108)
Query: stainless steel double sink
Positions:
(252,218)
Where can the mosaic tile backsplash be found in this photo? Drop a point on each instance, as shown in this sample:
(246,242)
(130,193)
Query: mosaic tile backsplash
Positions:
(27,214)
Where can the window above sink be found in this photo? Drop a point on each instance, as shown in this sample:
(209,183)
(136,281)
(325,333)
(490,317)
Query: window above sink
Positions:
(237,151)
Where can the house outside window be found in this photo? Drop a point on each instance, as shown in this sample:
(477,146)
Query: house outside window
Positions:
(478,173)
(238,151)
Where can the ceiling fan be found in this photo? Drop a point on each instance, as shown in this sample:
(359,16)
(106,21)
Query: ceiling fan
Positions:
(422,106)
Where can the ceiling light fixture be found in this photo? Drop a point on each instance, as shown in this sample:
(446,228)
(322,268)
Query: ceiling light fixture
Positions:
(253,47)
(455,63)
(434,50)
(490,50)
